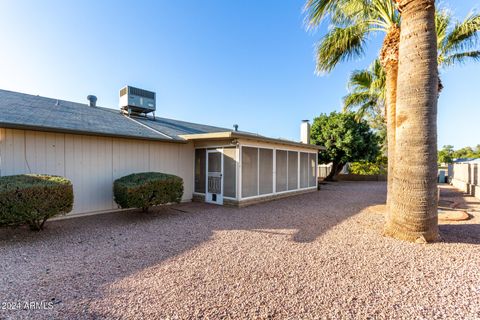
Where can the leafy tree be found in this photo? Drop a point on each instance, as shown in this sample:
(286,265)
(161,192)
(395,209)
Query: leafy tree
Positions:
(446,155)
(466,152)
(368,167)
(345,140)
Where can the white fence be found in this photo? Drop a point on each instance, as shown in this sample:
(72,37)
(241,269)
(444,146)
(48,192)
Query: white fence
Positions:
(466,177)
(324,170)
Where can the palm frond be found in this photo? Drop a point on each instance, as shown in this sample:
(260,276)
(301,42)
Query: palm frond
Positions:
(383,14)
(360,79)
(464,35)
(461,57)
(442,21)
(348,12)
(316,10)
(340,44)
(359,102)
(366,92)
(355,99)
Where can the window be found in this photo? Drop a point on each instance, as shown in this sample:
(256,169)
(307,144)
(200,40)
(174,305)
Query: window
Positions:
(265,171)
(292,170)
(312,170)
(200,164)
(303,170)
(249,172)
(281,170)
(229,172)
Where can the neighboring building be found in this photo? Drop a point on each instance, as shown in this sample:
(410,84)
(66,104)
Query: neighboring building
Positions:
(93,146)
(465,175)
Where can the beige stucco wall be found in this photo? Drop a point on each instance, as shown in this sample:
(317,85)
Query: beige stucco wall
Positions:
(466,177)
(92,163)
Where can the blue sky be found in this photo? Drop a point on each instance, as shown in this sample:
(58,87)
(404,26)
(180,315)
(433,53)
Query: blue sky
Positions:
(213,61)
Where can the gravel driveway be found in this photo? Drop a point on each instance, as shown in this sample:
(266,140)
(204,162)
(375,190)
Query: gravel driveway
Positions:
(317,255)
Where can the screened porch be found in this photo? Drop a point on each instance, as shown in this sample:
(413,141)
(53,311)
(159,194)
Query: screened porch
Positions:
(227,174)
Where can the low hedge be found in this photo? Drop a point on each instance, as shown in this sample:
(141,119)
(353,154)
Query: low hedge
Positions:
(30,199)
(146,189)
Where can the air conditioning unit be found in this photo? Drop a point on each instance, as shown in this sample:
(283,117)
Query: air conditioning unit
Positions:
(135,100)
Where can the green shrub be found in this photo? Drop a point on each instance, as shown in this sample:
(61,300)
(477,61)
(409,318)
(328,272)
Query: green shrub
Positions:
(369,168)
(32,199)
(146,189)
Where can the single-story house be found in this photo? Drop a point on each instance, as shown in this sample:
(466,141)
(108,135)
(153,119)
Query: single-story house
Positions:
(92,146)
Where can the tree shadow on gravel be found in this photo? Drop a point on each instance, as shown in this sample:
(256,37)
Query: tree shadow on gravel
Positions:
(463,231)
(460,233)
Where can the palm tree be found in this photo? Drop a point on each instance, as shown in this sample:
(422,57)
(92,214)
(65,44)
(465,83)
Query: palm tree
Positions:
(413,208)
(457,42)
(352,22)
(366,98)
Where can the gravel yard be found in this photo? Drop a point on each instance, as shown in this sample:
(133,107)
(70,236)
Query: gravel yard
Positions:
(317,255)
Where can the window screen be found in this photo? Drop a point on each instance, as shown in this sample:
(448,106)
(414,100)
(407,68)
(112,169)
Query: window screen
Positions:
(303,170)
(249,172)
(266,171)
(281,170)
(292,170)
(312,181)
(229,172)
(200,164)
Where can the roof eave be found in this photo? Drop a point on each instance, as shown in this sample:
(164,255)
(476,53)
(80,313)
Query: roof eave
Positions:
(232,134)
(88,133)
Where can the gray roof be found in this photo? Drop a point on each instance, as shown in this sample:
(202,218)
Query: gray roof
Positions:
(175,128)
(24,111)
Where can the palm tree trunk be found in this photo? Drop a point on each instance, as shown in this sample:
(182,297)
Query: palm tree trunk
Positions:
(389,60)
(413,208)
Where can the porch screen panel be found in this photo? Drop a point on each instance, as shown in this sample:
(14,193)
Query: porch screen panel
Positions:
(292,170)
(229,172)
(249,172)
(200,172)
(266,171)
(312,170)
(281,170)
(303,170)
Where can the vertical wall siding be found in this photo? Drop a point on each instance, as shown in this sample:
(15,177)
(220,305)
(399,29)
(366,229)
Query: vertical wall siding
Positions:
(92,163)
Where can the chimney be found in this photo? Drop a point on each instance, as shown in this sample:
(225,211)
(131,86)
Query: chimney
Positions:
(305,132)
(93,100)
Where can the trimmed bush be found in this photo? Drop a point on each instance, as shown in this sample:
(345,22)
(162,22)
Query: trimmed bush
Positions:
(146,189)
(30,199)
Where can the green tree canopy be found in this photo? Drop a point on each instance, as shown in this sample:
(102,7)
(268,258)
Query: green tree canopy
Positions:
(345,138)
(467,152)
(446,155)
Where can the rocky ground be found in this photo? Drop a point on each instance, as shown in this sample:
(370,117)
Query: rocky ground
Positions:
(317,255)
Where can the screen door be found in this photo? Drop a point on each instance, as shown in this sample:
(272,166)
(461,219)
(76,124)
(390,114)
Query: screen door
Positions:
(214,188)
